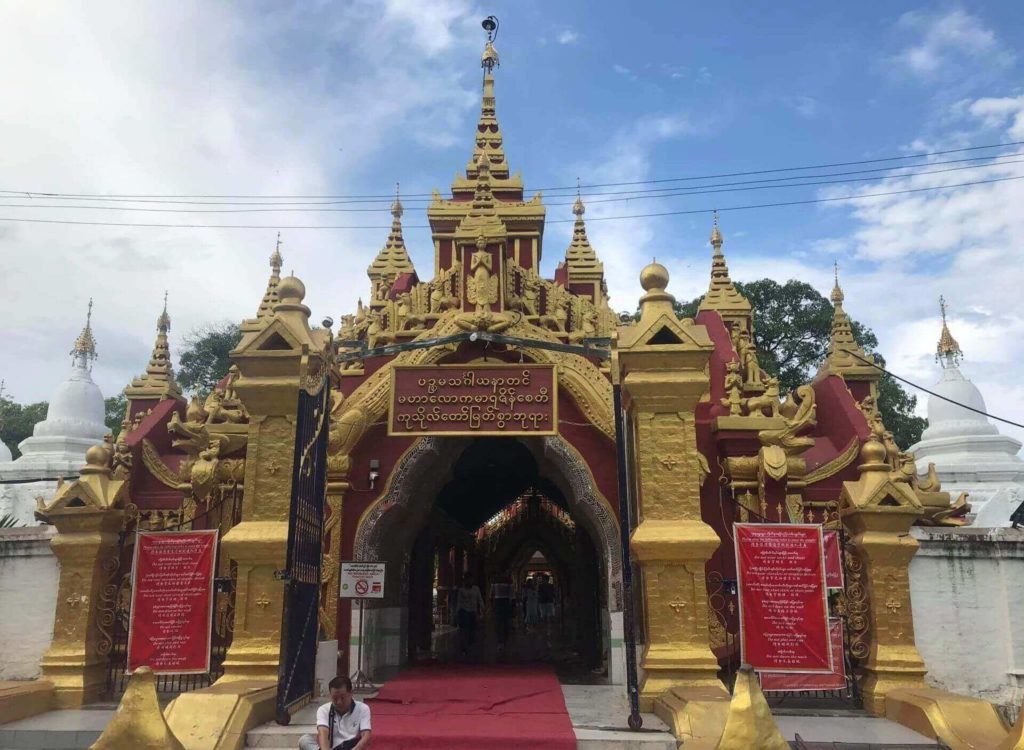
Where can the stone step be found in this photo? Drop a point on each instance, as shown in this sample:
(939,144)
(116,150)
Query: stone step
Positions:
(55,730)
(276,737)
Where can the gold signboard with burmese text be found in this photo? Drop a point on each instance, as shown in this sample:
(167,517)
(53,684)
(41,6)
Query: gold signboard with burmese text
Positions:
(474,399)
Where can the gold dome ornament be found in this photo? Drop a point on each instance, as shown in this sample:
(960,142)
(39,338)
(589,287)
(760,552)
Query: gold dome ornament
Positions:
(654,277)
(291,290)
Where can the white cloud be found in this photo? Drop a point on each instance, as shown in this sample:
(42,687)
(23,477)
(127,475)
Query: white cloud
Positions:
(627,245)
(963,243)
(943,41)
(805,106)
(996,112)
(568,36)
(621,69)
(190,98)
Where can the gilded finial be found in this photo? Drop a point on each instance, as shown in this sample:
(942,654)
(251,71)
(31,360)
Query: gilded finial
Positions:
(581,260)
(392,259)
(722,295)
(837,295)
(716,235)
(275,259)
(396,207)
(158,380)
(948,352)
(85,344)
(163,323)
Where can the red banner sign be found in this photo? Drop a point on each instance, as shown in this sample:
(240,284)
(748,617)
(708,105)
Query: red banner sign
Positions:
(474,400)
(782,595)
(833,560)
(172,602)
(834,680)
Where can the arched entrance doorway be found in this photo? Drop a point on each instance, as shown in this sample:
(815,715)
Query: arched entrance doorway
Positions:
(490,508)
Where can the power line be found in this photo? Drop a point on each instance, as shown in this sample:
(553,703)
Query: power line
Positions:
(721,209)
(675,193)
(385,205)
(933,393)
(390,196)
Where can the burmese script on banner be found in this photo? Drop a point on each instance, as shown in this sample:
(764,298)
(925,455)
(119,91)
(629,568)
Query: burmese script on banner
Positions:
(172,602)
(833,680)
(782,594)
(833,560)
(474,399)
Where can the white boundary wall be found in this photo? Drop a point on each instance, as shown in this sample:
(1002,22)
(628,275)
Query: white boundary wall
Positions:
(967,592)
(28,599)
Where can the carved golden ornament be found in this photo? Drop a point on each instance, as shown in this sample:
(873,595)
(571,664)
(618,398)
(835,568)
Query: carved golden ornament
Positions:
(106,612)
(677,605)
(368,403)
(262,601)
(138,722)
(668,462)
(159,470)
(717,632)
(749,723)
(893,605)
(857,605)
(836,465)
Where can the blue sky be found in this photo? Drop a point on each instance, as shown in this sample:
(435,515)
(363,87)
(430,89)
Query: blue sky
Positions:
(347,98)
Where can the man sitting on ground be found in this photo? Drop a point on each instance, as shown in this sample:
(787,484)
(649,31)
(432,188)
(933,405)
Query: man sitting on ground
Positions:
(342,724)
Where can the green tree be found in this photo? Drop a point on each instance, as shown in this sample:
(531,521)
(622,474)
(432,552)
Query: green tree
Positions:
(792,326)
(114,408)
(17,421)
(204,360)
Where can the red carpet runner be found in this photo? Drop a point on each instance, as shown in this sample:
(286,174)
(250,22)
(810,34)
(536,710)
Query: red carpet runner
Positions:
(464,707)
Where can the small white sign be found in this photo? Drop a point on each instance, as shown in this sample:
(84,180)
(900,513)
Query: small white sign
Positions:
(362,580)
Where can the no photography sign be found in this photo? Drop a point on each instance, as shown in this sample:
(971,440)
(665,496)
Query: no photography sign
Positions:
(362,580)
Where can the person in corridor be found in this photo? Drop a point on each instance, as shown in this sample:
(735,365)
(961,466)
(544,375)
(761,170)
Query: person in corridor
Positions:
(501,597)
(342,724)
(469,606)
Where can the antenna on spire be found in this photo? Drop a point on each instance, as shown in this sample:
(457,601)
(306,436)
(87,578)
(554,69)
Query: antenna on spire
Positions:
(489,59)
(490,25)
(835,271)
(942,308)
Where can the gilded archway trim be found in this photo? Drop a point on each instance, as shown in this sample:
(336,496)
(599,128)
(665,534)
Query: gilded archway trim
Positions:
(585,383)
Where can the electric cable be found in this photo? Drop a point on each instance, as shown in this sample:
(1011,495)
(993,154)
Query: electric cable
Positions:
(933,393)
(680,192)
(723,209)
(390,196)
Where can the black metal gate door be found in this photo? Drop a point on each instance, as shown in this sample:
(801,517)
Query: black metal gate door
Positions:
(300,624)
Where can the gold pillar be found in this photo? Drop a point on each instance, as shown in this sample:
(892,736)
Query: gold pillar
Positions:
(88,514)
(273,362)
(662,362)
(878,511)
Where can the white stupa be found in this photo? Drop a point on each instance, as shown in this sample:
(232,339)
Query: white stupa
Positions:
(969,453)
(74,423)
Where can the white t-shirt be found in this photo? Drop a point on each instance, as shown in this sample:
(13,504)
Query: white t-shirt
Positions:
(469,600)
(347,726)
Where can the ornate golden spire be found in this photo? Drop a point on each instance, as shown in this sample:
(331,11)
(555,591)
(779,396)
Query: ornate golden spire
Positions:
(845,356)
(84,350)
(393,259)
(158,380)
(488,132)
(837,292)
(722,295)
(270,296)
(580,258)
(948,352)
